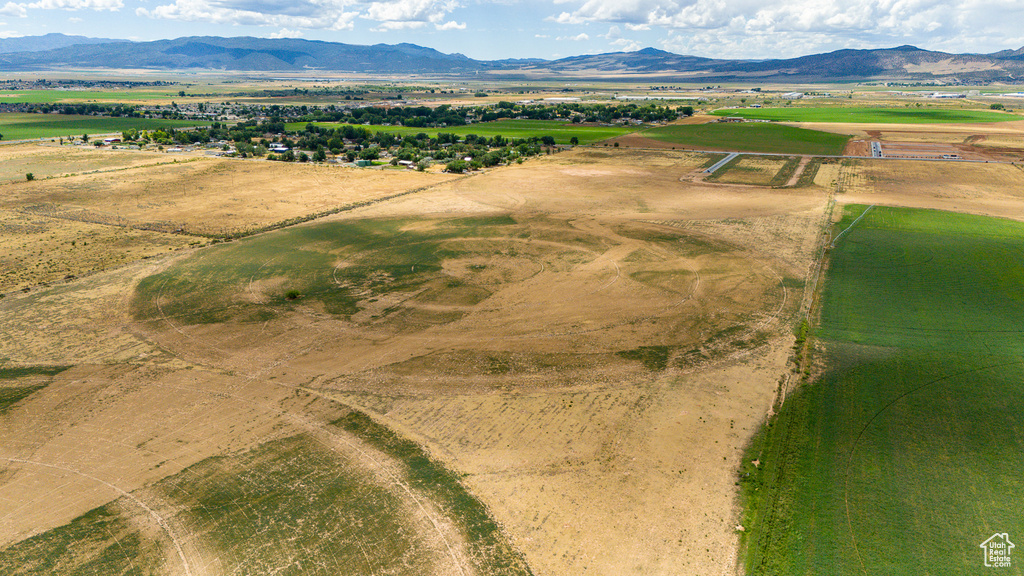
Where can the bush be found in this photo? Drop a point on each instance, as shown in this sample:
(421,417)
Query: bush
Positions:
(292,295)
(30,177)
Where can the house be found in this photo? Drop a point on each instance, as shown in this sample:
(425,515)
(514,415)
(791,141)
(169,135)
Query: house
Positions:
(997,550)
(792,95)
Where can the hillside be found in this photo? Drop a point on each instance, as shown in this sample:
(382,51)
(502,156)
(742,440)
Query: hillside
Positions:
(263,54)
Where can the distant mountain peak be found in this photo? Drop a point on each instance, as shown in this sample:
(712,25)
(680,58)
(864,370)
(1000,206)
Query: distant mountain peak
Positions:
(654,52)
(266,54)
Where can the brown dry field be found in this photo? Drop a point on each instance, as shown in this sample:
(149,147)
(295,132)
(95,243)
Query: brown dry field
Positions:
(204,195)
(118,206)
(985,189)
(755,170)
(47,160)
(997,141)
(591,461)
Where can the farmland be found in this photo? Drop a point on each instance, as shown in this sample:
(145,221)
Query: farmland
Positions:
(16,126)
(748,137)
(580,363)
(562,132)
(499,350)
(887,462)
(869,115)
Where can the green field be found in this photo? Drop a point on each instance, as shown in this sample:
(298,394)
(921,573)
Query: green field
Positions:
(562,132)
(869,115)
(17,126)
(87,96)
(750,137)
(904,456)
(300,263)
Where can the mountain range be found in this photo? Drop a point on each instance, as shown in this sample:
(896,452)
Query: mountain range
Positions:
(247,54)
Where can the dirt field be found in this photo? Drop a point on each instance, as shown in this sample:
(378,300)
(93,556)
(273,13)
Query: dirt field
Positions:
(207,195)
(756,170)
(95,209)
(587,340)
(47,160)
(999,141)
(986,189)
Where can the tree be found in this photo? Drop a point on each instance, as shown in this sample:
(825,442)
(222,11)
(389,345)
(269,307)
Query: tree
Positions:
(574,141)
(457,166)
(997,106)
(85,137)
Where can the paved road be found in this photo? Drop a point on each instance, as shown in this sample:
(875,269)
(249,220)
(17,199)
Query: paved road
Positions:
(722,162)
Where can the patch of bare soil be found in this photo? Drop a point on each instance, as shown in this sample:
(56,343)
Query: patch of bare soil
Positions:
(208,195)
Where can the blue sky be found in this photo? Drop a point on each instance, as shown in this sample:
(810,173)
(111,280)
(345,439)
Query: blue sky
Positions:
(493,29)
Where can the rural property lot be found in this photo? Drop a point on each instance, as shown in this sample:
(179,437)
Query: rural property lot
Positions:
(552,368)
(891,459)
(575,338)
(743,137)
(873,115)
(17,126)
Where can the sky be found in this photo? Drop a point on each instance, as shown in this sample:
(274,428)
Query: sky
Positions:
(496,29)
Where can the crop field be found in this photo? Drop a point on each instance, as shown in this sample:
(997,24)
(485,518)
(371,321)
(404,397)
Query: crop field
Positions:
(900,458)
(507,373)
(76,96)
(869,115)
(749,137)
(17,126)
(562,132)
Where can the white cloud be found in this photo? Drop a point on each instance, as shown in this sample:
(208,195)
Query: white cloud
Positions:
(74,19)
(541,36)
(10,34)
(410,14)
(304,14)
(627,45)
(286,33)
(577,38)
(12,9)
(451,25)
(756,28)
(112,5)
